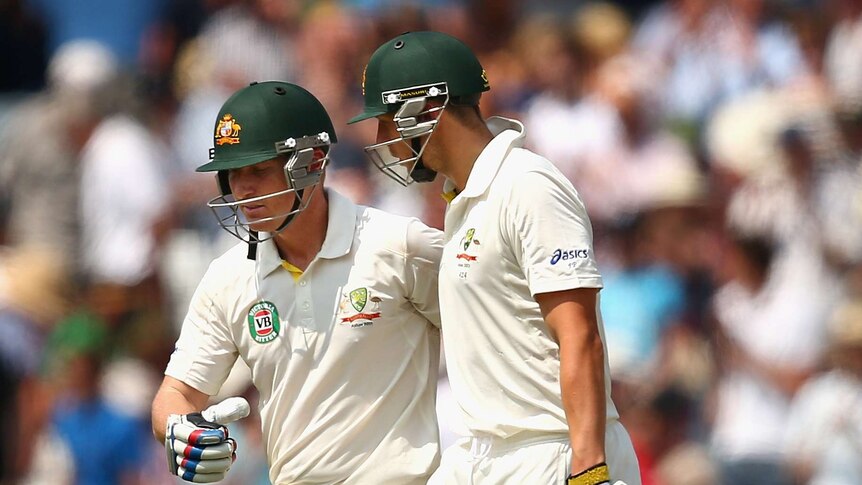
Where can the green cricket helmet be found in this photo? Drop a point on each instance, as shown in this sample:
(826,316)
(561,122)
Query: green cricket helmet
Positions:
(261,122)
(400,78)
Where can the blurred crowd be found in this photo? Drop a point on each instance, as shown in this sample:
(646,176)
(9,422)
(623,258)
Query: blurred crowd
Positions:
(717,145)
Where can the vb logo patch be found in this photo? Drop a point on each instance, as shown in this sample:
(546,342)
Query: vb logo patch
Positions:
(358,300)
(263,322)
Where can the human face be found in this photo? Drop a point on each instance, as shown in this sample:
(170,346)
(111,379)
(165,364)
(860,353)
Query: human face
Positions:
(255,182)
(387,131)
(395,152)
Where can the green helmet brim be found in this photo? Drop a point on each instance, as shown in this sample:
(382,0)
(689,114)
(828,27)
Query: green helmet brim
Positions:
(217,165)
(366,115)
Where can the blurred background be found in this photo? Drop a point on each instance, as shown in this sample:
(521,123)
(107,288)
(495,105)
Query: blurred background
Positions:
(716,143)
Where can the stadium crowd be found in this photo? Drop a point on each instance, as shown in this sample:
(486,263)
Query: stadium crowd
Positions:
(717,145)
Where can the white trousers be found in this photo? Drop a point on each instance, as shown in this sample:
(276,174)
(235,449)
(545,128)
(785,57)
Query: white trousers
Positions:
(536,459)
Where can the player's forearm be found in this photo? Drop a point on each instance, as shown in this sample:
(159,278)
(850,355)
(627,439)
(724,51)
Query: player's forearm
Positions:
(174,399)
(583,390)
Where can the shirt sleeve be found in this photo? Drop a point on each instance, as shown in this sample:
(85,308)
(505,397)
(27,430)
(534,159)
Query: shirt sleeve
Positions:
(550,234)
(424,248)
(205,351)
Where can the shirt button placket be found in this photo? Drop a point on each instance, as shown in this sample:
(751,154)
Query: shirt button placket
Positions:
(303,303)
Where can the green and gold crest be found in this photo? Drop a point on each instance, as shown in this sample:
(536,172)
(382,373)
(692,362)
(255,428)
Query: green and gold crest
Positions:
(468,238)
(358,298)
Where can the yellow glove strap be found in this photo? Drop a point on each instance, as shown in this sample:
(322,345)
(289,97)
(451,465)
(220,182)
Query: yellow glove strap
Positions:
(591,476)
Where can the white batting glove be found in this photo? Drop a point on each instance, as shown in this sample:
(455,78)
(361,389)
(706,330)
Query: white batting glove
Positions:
(198,447)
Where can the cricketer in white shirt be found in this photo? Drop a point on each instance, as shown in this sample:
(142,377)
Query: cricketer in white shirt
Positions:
(344,354)
(517,229)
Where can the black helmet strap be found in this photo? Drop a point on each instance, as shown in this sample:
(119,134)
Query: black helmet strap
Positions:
(420,172)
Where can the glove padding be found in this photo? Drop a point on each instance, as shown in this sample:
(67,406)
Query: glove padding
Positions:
(594,475)
(198,450)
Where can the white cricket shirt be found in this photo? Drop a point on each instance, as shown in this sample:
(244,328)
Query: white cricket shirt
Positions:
(345,358)
(518,229)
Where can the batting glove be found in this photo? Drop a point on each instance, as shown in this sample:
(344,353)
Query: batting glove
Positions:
(198,447)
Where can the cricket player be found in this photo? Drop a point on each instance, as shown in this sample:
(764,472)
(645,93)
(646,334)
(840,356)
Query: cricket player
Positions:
(333,306)
(519,286)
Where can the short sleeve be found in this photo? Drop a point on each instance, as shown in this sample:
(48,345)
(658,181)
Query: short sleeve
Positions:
(550,233)
(205,351)
(424,248)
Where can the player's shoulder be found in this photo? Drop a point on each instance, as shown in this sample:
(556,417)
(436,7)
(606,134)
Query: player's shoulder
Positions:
(230,266)
(526,174)
(527,167)
(392,232)
(233,255)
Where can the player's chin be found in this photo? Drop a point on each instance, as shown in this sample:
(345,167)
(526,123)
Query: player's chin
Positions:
(265,226)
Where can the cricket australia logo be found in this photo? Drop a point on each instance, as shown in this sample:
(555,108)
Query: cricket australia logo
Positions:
(466,242)
(227,131)
(358,300)
(263,323)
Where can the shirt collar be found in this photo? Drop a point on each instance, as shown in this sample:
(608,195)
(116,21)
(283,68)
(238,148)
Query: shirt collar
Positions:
(339,234)
(508,134)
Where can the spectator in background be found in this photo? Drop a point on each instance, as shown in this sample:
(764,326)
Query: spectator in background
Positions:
(41,144)
(123,192)
(240,43)
(34,294)
(824,431)
(328,64)
(770,338)
(625,175)
(828,189)
(675,41)
(567,123)
(661,425)
(120,26)
(105,444)
(707,52)
(641,299)
(843,64)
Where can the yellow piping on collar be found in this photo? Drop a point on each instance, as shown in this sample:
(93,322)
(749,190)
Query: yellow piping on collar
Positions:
(294,271)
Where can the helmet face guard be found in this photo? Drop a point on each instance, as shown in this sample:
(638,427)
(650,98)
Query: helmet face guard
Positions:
(303,174)
(413,120)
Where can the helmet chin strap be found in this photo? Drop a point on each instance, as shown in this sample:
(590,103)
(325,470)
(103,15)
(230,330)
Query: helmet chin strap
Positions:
(252,245)
(420,172)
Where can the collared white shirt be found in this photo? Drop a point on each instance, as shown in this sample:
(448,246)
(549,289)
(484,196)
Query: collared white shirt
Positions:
(517,229)
(345,358)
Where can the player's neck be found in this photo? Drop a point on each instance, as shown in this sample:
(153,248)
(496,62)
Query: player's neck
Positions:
(462,148)
(300,242)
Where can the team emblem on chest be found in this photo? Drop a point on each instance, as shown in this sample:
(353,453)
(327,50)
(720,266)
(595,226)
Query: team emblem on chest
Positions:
(463,256)
(263,323)
(466,241)
(358,309)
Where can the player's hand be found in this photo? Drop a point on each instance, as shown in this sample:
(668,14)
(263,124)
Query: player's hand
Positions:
(594,475)
(198,447)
